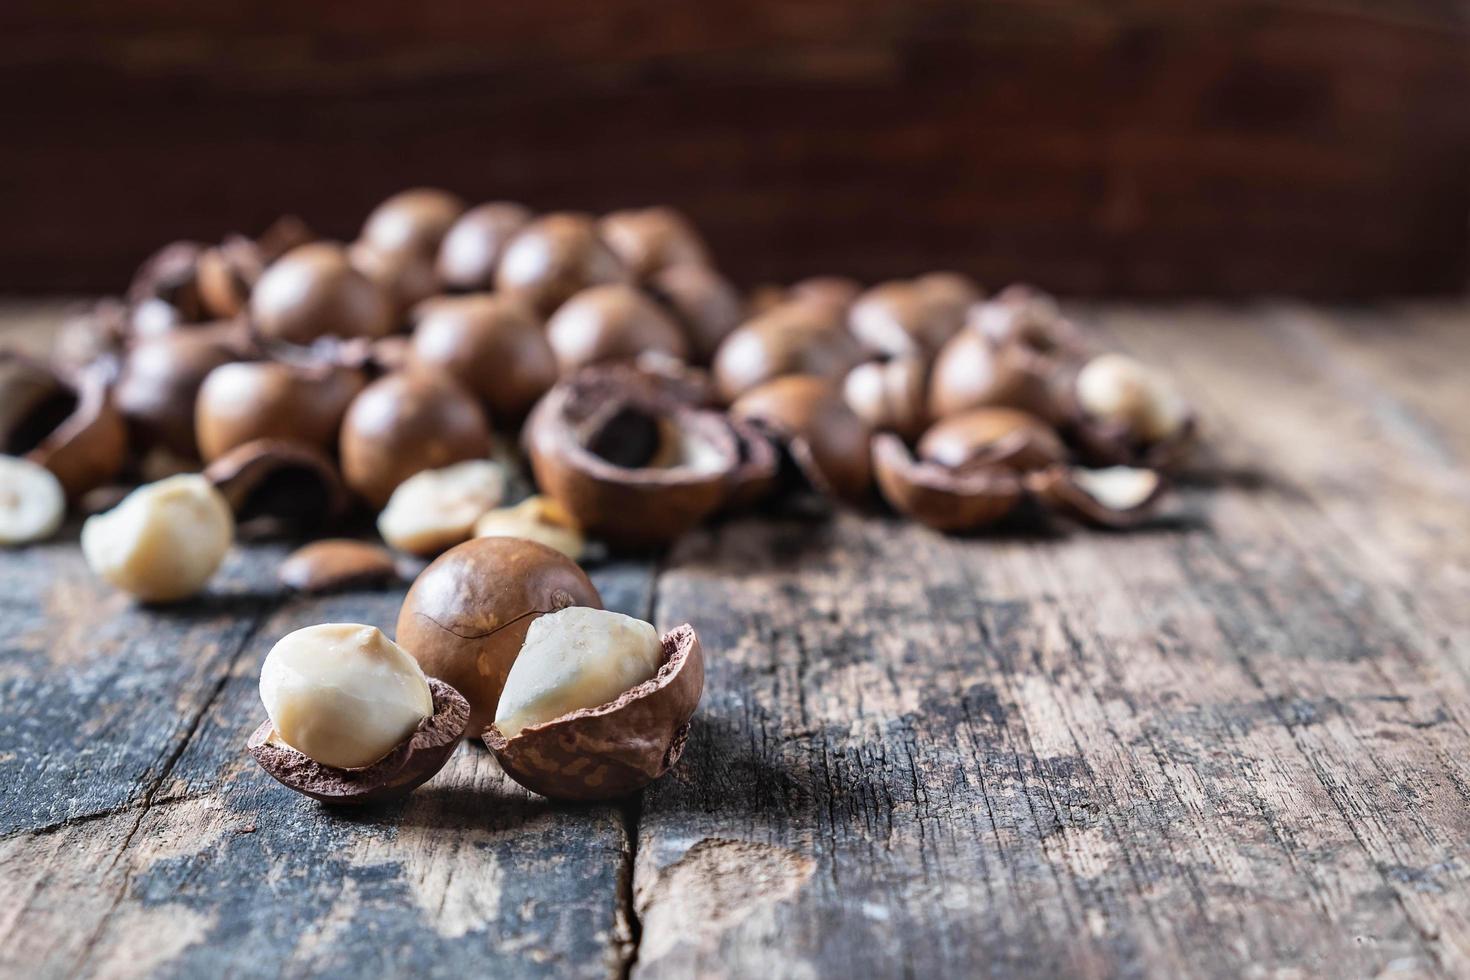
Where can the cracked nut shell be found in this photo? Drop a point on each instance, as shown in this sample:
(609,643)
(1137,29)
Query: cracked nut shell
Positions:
(279,487)
(627,459)
(897,319)
(617,748)
(555,257)
(824,437)
(407,422)
(940,497)
(337,564)
(1112,497)
(1005,437)
(971,371)
(69,427)
(414,762)
(466,615)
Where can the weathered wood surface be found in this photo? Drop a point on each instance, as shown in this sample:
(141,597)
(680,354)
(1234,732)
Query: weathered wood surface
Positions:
(1233,743)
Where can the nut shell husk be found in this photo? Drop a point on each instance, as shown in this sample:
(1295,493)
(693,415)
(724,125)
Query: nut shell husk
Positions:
(759,470)
(618,748)
(946,499)
(336,564)
(466,615)
(822,435)
(637,505)
(414,762)
(407,422)
(277,486)
(1060,490)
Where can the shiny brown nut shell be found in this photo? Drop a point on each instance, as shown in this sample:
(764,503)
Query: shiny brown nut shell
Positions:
(492,345)
(972,372)
(279,487)
(69,427)
(758,472)
(1026,317)
(225,275)
(414,220)
(790,339)
(618,748)
(705,303)
(335,565)
(248,400)
(614,322)
(405,423)
(1074,492)
(950,289)
(992,436)
(890,396)
(471,250)
(160,380)
(405,769)
(555,257)
(314,291)
(407,277)
(631,464)
(170,275)
(284,234)
(649,240)
(466,615)
(836,293)
(946,499)
(903,319)
(823,436)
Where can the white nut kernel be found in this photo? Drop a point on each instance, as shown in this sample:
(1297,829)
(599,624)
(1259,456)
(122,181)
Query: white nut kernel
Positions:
(32,502)
(164,541)
(1117,388)
(538,519)
(435,509)
(342,694)
(1118,487)
(575,658)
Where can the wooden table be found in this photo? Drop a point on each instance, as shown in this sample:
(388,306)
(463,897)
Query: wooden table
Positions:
(1232,743)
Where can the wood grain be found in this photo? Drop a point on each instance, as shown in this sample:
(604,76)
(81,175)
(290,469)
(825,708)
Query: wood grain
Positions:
(1150,148)
(1232,743)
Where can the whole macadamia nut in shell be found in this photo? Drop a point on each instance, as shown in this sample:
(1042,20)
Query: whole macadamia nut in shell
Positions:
(471,250)
(555,257)
(315,291)
(614,322)
(492,345)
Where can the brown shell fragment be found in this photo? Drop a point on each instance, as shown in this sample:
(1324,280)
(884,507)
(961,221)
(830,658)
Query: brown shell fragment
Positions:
(942,497)
(69,427)
(1115,497)
(825,438)
(632,463)
(617,748)
(759,470)
(413,763)
(276,486)
(337,564)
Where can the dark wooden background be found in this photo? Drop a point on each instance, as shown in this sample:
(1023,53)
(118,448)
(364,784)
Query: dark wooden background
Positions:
(1153,147)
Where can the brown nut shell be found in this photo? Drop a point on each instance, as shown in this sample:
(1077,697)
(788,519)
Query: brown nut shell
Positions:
(466,615)
(613,322)
(407,422)
(890,395)
(946,499)
(407,277)
(759,470)
(1005,437)
(248,400)
(1026,317)
(337,564)
(555,257)
(314,291)
(412,221)
(973,372)
(170,275)
(1077,493)
(160,380)
(414,762)
(824,437)
(793,338)
(649,240)
(630,462)
(836,293)
(276,487)
(69,427)
(225,275)
(898,319)
(617,748)
(493,345)
(471,250)
(704,302)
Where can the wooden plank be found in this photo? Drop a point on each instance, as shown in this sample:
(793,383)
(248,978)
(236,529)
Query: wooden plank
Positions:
(1231,744)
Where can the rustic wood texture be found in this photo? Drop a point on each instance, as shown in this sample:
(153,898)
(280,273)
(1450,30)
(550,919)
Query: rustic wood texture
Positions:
(1150,147)
(1231,743)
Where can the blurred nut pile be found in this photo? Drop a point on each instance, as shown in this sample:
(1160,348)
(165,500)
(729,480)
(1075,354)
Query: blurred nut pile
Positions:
(312,381)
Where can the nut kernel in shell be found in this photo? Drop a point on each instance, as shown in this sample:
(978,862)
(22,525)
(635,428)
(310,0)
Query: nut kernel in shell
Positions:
(575,658)
(32,503)
(164,541)
(538,519)
(342,694)
(615,748)
(435,509)
(467,613)
(1120,390)
(941,497)
(1113,496)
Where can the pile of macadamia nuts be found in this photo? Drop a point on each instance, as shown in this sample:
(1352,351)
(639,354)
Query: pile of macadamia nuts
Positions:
(294,387)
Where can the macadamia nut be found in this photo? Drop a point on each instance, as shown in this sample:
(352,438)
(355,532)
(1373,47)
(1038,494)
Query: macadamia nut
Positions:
(32,502)
(1118,487)
(575,658)
(342,694)
(432,510)
(164,541)
(538,519)
(1116,388)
